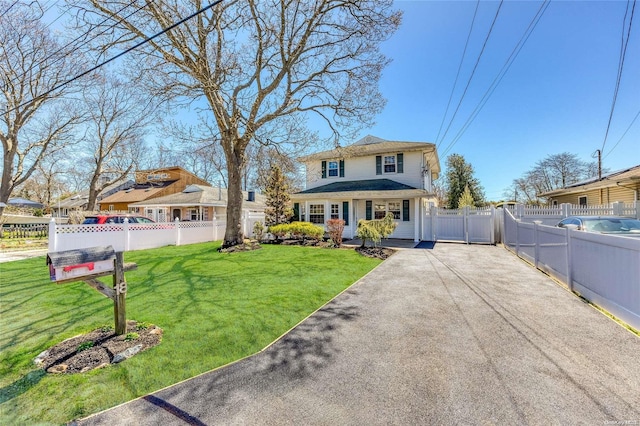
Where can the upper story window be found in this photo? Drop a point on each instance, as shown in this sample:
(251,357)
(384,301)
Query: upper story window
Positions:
(390,164)
(333,169)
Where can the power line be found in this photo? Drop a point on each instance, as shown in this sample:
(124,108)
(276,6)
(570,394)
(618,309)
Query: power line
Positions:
(623,52)
(503,71)
(69,52)
(623,135)
(113,58)
(484,45)
(9,8)
(455,83)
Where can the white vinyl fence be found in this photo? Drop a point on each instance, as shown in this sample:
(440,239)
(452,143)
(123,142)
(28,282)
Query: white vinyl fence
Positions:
(551,215)
(139,236)
(604,269)
(464,225)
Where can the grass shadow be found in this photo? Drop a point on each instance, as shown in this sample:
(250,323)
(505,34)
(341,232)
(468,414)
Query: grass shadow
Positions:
(21,385)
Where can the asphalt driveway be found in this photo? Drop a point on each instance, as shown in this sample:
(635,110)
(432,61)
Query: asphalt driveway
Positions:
(457,334)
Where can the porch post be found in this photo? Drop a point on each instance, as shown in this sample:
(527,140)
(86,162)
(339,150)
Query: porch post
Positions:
(416,219)
(352,214)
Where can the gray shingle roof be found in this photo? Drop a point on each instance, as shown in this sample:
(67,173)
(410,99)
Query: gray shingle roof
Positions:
(359,185)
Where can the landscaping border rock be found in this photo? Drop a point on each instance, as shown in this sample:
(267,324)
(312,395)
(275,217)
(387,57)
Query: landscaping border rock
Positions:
(99,348)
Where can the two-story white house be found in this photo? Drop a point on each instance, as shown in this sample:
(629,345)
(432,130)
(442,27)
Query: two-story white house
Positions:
(367,180)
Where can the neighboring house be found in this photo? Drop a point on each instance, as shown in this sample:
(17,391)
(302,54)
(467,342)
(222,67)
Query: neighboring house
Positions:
(151,184)
(24,203)
(196,202)
(367,180)
(623,186)
(78,202)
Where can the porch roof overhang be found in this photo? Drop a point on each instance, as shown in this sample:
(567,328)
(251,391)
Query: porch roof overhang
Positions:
(362,195)
(364,189)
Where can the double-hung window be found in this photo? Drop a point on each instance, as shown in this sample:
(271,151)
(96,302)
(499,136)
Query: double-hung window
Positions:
(333,169)
(335,211)
(316,213)
(392,163)
(389,163)
(382,208)
(394,208)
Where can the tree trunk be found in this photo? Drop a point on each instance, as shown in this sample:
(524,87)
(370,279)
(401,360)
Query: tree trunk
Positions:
(5,184)
(93,193)
(233,232)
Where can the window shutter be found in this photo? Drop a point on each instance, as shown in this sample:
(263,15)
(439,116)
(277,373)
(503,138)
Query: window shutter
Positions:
(345,212)
(369,207)
(324,169)
(341,168)
(378,164)
(296,211)
(400,166)
(405,211)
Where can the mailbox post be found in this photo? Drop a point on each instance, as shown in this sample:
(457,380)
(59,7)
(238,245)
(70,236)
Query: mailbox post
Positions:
(88,265)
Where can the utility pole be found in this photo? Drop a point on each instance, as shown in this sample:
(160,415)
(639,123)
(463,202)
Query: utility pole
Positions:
(597,151)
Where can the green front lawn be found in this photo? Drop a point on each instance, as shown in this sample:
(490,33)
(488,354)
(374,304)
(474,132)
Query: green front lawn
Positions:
(214,308)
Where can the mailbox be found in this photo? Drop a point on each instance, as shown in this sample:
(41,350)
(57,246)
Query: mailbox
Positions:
(87,262)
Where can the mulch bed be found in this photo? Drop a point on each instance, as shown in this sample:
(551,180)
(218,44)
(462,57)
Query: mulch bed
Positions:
(98,348)
(375,252)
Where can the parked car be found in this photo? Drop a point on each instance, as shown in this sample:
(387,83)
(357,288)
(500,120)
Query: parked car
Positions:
(115,218)
(603,224)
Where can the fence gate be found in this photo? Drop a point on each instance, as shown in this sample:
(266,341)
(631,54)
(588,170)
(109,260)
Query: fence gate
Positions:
(464,225)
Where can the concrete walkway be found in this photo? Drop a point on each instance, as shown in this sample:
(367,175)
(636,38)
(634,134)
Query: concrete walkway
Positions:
(459,334)
(21,255)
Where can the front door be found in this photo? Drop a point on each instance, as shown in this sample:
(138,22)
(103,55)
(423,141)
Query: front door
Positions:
(176,214)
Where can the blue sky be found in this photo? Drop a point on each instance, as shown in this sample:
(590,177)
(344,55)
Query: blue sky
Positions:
(556,96)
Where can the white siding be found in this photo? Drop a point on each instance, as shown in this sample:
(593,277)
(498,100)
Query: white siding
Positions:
(405,229)
(364,168)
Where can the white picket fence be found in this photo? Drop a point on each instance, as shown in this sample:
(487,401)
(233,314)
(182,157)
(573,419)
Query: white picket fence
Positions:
(604,269)
(464,225)
(139,236)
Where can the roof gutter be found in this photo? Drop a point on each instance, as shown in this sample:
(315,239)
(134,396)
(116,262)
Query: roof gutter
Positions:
(635,191)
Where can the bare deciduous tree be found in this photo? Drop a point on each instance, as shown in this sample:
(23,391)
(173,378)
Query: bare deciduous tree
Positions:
(553,172)
(34,122)
(118,114)
(45,183)
(258,64)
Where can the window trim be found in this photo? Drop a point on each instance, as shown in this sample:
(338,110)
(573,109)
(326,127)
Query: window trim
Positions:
(337,211)
(317,213)
(333,168)
(385,164)
(397,214)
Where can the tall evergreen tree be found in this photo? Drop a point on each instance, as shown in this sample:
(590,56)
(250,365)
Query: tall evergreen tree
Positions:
(458,176)
(466,199)
(277,192)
